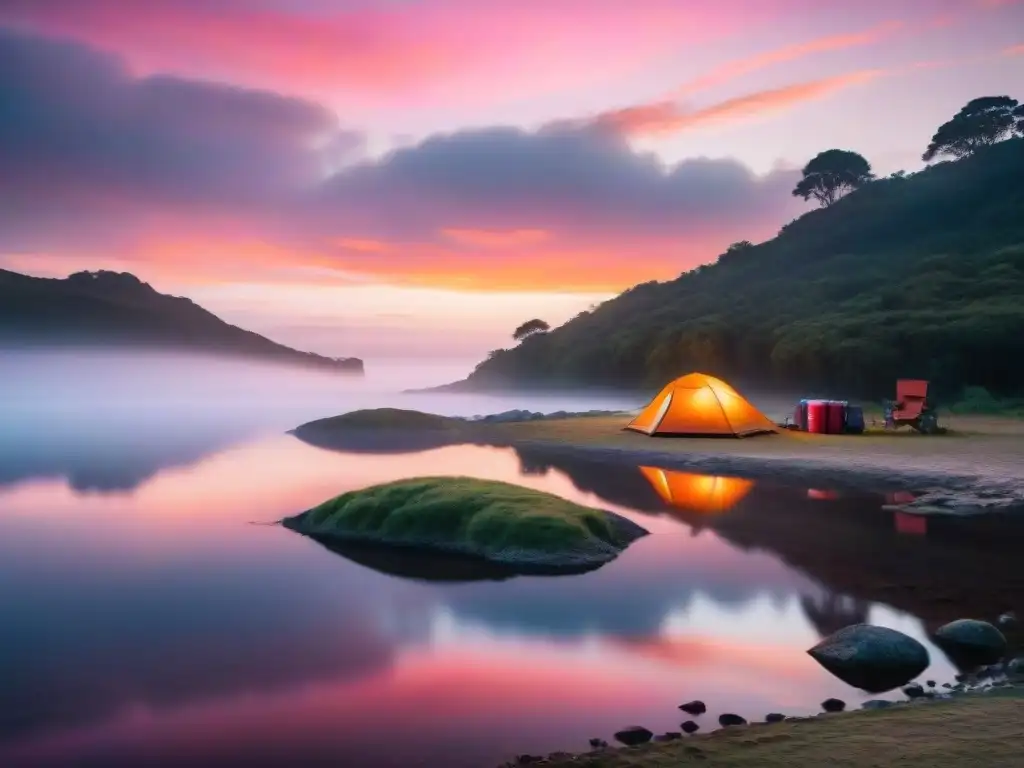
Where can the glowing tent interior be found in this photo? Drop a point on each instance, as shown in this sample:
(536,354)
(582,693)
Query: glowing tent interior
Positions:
(704,494)
(698,405)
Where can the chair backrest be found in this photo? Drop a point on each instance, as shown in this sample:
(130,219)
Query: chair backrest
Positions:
(911,389)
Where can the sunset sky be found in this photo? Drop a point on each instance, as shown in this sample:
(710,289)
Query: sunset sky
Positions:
(416,177)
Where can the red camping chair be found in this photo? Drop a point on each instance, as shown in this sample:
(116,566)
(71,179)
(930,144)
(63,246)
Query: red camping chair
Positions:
(911,408)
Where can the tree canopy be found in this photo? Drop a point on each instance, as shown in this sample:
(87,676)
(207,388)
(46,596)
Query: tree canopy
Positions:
(529,328)
(980,123)
(917,277)
(832,174)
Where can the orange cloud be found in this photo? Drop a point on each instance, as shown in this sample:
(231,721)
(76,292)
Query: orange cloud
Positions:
(745,66)
(669,117)
(1015,50)
(486,238)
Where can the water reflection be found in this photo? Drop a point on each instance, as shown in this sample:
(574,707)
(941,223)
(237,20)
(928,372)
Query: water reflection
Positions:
(703,494)
(158,628)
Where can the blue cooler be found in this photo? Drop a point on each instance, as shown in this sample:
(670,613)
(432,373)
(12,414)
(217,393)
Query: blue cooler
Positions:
(854,419)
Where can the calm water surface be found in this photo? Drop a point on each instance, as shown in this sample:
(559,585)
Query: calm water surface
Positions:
(146,622)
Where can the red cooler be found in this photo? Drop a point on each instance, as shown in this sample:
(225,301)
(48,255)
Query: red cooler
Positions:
(817,415)
(835,420)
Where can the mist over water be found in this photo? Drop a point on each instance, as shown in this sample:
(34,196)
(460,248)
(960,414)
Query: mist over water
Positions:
(165,388)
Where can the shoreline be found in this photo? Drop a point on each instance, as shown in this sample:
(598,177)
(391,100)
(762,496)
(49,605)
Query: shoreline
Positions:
(977,468)
(976,727)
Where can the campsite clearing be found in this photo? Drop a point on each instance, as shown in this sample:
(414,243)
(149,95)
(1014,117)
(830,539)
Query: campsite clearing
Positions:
(977,466)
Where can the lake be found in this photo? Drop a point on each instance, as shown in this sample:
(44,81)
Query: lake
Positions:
(147,621)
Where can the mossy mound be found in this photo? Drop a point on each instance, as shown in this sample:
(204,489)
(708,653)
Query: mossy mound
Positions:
(499,522)
(382,430)
(384,418)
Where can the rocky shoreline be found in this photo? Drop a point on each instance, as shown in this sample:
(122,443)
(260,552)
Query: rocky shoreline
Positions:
(974,638)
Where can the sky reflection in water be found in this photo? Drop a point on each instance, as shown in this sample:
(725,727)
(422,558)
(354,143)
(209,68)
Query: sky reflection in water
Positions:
(147,623)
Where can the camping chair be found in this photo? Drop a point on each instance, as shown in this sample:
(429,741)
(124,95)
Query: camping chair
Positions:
(911,407)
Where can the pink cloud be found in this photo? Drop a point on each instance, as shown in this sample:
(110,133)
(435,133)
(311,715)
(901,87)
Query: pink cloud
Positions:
(434,48)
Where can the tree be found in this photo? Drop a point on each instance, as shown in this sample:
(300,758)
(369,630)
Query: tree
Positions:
(832,174)
(529,328)
(981,122)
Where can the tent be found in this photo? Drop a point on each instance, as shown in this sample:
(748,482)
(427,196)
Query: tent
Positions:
(704,494)
(700,405)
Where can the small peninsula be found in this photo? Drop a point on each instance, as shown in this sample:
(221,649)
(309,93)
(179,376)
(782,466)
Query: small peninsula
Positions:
(519,528)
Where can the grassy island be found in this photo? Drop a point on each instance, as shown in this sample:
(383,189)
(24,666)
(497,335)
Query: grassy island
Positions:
(498,522)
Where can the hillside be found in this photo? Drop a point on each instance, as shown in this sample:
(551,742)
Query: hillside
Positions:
(918,276)
(117,309)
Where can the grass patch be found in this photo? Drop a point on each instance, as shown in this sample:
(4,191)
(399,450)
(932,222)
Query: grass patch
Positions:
(962,733)
(466,514)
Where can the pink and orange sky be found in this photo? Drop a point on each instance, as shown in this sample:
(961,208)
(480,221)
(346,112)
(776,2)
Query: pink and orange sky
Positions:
(403,177)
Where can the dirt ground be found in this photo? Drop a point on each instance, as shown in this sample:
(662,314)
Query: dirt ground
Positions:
(983,729)
(977,466)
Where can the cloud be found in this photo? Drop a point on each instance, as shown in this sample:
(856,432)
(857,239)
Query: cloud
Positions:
(389,52)
(195,175)
(670,117)
(1015,50)
(748,65)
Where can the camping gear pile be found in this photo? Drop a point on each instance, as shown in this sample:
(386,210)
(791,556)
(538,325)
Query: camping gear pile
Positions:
(828,417)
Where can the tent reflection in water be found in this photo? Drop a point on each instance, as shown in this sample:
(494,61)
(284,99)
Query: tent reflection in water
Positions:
(704,494)
(698,405)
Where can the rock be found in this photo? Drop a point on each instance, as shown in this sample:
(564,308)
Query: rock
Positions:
(930,683)
(1015,667)
(730,719)
(633,735)
(913,691)
(598,743)
(946,685)
(528,759)
(970,642)
(833,705)
(876,704)
(1008,620)
(695,707)
(690,727)
(774,717)
(668,736)
(872,658)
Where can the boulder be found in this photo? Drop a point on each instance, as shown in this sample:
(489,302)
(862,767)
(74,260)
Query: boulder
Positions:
(690,727)
(1008,621)
(970,642)
(774,717)
(730,719)
(833,705)
(695,707)
(871,658)
(633,735)
(913,691)
(598,743)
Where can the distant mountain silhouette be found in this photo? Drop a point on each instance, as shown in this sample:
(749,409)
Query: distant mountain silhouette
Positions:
(117,309)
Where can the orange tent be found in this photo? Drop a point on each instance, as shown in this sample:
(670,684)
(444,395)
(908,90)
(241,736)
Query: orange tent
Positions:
(700,405)
(705,494)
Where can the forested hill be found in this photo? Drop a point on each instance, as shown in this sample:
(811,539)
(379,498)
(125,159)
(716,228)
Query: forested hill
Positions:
(91,309)
(917,275)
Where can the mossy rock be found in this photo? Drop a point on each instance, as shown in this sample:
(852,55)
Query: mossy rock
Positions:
(384,418)
(523,529)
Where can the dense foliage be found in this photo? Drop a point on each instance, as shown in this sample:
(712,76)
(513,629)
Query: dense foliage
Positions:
(916,275)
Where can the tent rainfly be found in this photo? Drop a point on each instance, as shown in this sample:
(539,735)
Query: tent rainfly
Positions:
(698,405)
